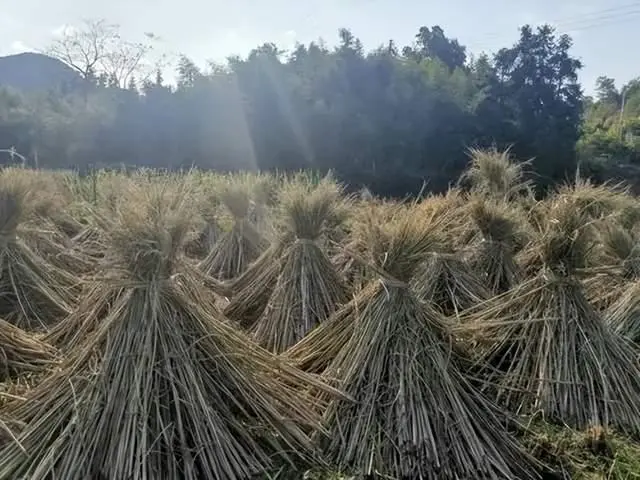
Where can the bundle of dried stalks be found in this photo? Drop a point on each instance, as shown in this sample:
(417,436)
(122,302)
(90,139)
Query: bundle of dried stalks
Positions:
(500,237)
(615,264)
(454,204)
(22,353)
(543,348)
(623,315)
(415,414)
(307,289)
(497,175)
(238,247)
(53,200)
(447,282)
(208,230)
(65,253)
(348,259)
(599,201)
(617,291)
(163,388)
(322,345)
(252,290)
(35,293)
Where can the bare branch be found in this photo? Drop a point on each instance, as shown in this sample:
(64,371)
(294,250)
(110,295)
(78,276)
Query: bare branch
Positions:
(96,48)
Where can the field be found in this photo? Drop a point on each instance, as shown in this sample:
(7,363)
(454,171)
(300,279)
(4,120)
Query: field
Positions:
(196,325)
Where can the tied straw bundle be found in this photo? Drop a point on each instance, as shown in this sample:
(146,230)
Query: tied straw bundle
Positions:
(449,284)
(239,246)
(209,231)
(500,236)
(542,348)
(495,175)
(307,289)
(163,388)
(415,414)
(35,294)
(252,290)
(621,290)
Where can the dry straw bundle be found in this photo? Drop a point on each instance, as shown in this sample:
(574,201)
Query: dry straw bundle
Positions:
(620,290)
(22,353)
(209,231)
(307,288)
(500,237)
(238,247)
(614,264)
(163,388)
(449,284)
(35,293)
(252,290)
(346,259)
(497,175)
(415,414)
(543,348)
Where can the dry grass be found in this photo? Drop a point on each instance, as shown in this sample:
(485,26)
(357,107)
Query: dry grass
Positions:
(448,283)
(501,235)
(21,353)
(399,367)
(307,289)
(238,247)
(35,293)
(208,404)
(155,381)
(496,174)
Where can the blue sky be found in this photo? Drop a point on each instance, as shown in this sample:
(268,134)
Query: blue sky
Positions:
(606,34)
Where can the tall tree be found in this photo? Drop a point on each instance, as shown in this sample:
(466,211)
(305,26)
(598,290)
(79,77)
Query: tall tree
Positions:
(433,43)
(539,79)
(606,90)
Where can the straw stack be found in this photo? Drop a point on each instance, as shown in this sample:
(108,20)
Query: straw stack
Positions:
(238,247)
(542,347)
(35,294)
(415,414)
(163,387)
(308,289)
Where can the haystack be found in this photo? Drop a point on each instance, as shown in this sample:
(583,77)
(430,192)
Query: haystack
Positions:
(252,290)
(618,289)
(496,175)
(454,203)
(614,266)
(164,388)
(208,233)
(238,247)
(542,347)
(308,289)
(447,282)
(499,238)
(35,293)
(322,345)
(21,352)
(415,414)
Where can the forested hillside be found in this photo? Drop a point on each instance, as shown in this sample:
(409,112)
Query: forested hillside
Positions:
(391,118)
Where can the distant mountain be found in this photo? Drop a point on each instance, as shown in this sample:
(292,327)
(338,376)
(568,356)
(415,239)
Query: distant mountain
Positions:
(35,71)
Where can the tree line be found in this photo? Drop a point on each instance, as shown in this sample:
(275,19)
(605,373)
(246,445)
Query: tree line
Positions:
(391,118)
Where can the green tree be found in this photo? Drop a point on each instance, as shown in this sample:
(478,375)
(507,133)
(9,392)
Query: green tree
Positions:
(538,81)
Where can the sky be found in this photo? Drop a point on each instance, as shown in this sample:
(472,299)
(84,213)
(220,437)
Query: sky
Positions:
(606,34)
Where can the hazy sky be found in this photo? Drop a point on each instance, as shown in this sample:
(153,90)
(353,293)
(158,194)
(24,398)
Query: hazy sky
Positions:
(606,34)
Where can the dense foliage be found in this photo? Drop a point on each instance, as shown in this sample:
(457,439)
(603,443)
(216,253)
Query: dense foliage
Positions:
(612,124)
(391,118)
